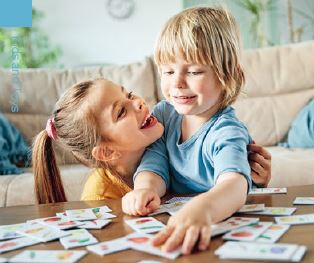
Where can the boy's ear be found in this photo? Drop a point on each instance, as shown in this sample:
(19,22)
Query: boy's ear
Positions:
(105,153)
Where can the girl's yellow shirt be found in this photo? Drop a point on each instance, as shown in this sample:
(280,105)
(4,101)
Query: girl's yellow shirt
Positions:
(102,184)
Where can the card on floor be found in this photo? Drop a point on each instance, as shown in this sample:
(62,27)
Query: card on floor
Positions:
(273,233)
(3,260)
(145,224)
(231,223)
(142,242)
(256,251)
(95,224)
(78,238)
(109,247)
(9,231)
(81,214)
(252,208)
(48,256)
(178,199)
(275,211)
(304,201)
(17,243)
(248,233)
(259,191)
(295,220)
(59,223)
(42,233)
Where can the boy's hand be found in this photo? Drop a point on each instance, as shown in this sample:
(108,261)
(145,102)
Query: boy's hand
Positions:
(140,202)
(187,227)
(260,162)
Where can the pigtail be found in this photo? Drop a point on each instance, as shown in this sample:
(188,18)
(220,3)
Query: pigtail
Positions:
(48,183)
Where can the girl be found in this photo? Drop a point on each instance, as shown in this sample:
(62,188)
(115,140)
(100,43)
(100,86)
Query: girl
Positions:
(108,128)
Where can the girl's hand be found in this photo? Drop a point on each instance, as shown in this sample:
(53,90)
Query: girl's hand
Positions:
(260,162)
(140,202)
(189,225)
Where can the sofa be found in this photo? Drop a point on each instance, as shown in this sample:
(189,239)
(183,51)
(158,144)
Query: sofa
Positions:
(279,83)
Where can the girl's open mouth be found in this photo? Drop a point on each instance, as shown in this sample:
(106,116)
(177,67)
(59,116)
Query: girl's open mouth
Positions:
(149,122)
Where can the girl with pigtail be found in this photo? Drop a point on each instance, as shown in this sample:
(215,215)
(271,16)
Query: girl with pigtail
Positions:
(107,128)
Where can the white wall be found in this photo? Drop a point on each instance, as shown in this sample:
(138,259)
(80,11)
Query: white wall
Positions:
(88,35)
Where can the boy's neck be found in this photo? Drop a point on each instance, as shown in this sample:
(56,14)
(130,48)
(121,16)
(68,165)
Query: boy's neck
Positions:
(127,165)
(192,123)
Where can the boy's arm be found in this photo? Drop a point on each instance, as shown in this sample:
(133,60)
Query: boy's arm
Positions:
(193,221)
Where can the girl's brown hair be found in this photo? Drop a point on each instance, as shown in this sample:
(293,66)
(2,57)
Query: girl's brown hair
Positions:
(77,132)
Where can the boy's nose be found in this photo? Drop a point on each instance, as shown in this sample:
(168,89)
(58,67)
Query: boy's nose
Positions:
(179,82)
(139,104)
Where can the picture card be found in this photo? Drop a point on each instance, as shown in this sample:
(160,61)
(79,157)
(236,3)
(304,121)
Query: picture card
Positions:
(145,224)
(142,242)
(258,251)
(13,244)
(81,214)
(252,208)
(296,220)
(58,223)
(259,191)
(78,238)
(273,233)
(275,211)
(49,256)
(231,223)
(109,247)
(248,233)
(169,208)
(95,224)
(178,199)
(304,201)
(42,233)
(9,231)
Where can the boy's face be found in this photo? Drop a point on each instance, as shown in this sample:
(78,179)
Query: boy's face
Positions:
(193,89)
(121,117)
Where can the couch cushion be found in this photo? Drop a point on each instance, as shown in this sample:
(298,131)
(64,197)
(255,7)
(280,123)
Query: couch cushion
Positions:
(291,166)
(73,177)
(40,89)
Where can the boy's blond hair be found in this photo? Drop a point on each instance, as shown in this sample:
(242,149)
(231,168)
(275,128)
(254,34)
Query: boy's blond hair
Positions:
(207,36)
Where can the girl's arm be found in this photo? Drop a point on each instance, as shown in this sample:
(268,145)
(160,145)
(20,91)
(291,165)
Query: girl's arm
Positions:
(193,222)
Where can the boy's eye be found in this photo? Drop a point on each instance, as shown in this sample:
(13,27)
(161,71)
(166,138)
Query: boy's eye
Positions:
(121,113)
(168,72)
(130,95)
(195,72)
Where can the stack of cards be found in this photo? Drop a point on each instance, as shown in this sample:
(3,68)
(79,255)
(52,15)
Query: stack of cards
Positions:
(274,211)
(259,191)
(48,256)
(170,208)
(145,225)
(178,199)
(258,251)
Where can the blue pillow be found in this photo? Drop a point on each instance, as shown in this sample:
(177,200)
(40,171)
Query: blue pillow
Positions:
(301,133)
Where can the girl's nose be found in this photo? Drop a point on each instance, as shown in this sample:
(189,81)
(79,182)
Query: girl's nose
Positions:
(139,104)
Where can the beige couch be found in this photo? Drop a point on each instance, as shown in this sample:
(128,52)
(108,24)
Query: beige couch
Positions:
(280,81)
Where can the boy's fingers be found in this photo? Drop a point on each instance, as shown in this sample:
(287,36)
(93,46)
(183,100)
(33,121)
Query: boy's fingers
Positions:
(205,238)
(175,239)
(162,236)
(191,237)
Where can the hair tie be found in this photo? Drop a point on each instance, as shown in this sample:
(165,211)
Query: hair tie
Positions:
(51,129)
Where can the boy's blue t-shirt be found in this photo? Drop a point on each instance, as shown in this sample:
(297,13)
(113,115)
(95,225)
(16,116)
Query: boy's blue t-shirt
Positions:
(219,146)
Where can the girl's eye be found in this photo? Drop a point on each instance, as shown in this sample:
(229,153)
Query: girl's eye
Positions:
(121,113)
(130,95)
(169,72)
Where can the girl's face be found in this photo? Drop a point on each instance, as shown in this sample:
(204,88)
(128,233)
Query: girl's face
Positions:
(124,118)
(193,89)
